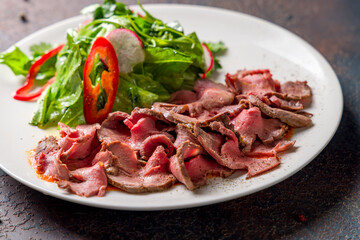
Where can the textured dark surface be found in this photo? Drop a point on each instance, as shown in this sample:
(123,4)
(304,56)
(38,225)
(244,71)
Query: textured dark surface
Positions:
(326,192)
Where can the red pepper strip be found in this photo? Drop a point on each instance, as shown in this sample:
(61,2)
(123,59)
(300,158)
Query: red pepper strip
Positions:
(109,81)
(23,93)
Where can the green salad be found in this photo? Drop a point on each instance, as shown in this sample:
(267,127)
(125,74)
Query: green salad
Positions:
(171,61)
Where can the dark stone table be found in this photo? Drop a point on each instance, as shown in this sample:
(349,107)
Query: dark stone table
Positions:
(326,192)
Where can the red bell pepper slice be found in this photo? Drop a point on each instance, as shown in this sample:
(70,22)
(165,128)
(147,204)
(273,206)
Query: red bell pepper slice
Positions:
(109,81)
(23,93)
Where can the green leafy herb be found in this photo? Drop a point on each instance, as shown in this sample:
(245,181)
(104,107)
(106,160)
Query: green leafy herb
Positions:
(217,48)
(39,49)
(173,61)
(20,64)
(65,92)
(16,60)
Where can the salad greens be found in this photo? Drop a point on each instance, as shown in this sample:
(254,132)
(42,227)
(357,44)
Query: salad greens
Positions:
(20,64)
(16,60)
(173,61)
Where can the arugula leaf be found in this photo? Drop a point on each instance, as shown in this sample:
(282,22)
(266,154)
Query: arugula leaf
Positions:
(147,83)
(47,71)
(138,90)
(108,9)
(167,66)
(20,64)
(189,75)
(148,16)
(39,49)
(111,7)
(74,116)
(16,60)
(66,91)
(130,96)
(216,48)
(40,114)
(176,25)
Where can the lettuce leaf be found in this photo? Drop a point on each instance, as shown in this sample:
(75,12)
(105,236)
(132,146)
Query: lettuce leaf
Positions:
(167,66)
(16,60)
(20,63)
(67,89)
(137,90)
(38,50)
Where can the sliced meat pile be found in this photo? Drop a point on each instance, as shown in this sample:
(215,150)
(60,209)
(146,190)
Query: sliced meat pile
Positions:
(211,131)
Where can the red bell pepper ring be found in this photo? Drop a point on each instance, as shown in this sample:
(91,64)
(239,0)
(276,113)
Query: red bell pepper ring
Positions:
(109,81)
(23,93)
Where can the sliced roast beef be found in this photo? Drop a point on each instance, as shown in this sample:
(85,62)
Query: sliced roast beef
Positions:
(229,154)
(273,130)
(293,96)
(47,160)
(186,134)
(291,105)
(177,163)
(125,158)
(183,97)
(114,129)
(138,152)
(296,90)
(290,118)
(245,81)
(106,157)
(144,128)
(93,181)
(183,134)
(259,150)
(306,114)
(73,164)
(139,113)
(200,167)
(213,143)
(47,145)
(150,178)
(144,123)
(231,111)
(223,114)
(150,144)
(157,164)
(76,143)
(166,110)
(191,168)
(178,118)
(209,94)
(289,95)
(202,85)
(249,125)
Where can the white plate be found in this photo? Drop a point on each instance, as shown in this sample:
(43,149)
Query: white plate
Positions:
(252,43)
